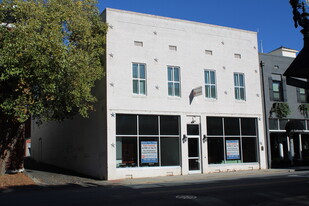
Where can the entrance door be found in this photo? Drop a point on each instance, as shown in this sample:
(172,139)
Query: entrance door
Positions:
(193,133)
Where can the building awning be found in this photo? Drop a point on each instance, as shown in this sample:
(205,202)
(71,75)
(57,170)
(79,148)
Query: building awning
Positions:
(299,69)
(294,125)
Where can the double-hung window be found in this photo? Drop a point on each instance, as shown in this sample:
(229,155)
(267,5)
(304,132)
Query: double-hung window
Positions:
(239,86)
(302,95)
(173,74)
(210,84)
(277,89)
(139,78)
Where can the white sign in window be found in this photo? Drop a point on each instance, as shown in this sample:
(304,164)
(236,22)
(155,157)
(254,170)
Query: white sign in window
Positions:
(232,150)
(149,152)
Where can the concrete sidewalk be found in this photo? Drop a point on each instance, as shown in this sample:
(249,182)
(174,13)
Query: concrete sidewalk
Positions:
(49,175)
(205,177)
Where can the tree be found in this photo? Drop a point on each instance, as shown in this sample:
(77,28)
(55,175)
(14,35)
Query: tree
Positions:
(281,109)
(49,63)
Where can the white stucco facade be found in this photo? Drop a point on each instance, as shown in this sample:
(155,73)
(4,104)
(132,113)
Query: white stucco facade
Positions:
(89,146)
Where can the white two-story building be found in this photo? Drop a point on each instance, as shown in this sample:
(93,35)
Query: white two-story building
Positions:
(179,97)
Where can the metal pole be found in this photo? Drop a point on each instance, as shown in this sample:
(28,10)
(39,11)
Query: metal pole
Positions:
(300,147)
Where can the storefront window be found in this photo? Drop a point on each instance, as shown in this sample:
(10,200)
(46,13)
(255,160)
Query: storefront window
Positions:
(305,147)
(126,155)
(169,151)
(233,143)
(249,149)
(140,142)
(231,126)
(273,124)
(279,149)
(214,126)
(126,125)
(148,125)
(169,125)
(215,150)
(248,126)
(283,123)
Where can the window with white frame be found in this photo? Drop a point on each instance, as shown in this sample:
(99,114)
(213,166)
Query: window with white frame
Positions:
(173,74)
(139,78)
(210,84)
(239,86)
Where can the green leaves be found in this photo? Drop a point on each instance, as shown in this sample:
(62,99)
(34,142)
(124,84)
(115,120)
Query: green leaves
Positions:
(281,109)
(51,59)
(303,109)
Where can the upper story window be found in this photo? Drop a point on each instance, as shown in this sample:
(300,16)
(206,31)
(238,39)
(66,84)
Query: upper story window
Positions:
(302,95)
(173,74)
(139,78)
(239,86)
(277,88)
(210,84)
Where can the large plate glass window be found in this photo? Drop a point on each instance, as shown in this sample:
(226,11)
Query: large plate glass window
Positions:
(147,141)
(231,140)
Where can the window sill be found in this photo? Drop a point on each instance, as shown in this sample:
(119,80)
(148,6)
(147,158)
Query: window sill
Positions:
(211,99)
(240,101)
(174,98)
(231,164)
(148,168)
(139,96)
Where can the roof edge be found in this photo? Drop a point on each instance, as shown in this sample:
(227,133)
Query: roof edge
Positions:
(176,19)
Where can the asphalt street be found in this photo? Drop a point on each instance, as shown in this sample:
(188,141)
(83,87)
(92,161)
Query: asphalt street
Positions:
(285,188)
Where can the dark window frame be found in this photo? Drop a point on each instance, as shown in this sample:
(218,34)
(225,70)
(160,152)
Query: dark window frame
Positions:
(224,137)
(160,137)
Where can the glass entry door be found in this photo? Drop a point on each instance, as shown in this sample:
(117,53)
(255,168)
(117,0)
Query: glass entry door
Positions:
(193,133)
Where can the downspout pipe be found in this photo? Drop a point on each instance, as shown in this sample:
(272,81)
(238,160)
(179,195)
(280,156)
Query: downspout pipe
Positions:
(267,150)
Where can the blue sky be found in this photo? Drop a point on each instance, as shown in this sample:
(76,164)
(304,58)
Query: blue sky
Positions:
(272,19)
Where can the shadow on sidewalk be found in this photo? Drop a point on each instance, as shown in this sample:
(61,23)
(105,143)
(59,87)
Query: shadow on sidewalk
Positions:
(32,165)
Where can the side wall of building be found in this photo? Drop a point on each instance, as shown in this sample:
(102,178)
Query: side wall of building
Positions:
(78,145)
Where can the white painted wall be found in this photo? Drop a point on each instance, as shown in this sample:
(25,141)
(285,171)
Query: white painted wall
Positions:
(191,39)
(78,145)
(285,52)
(89,145)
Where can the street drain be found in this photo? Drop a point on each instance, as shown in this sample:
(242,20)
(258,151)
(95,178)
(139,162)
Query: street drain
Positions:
(186,197)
